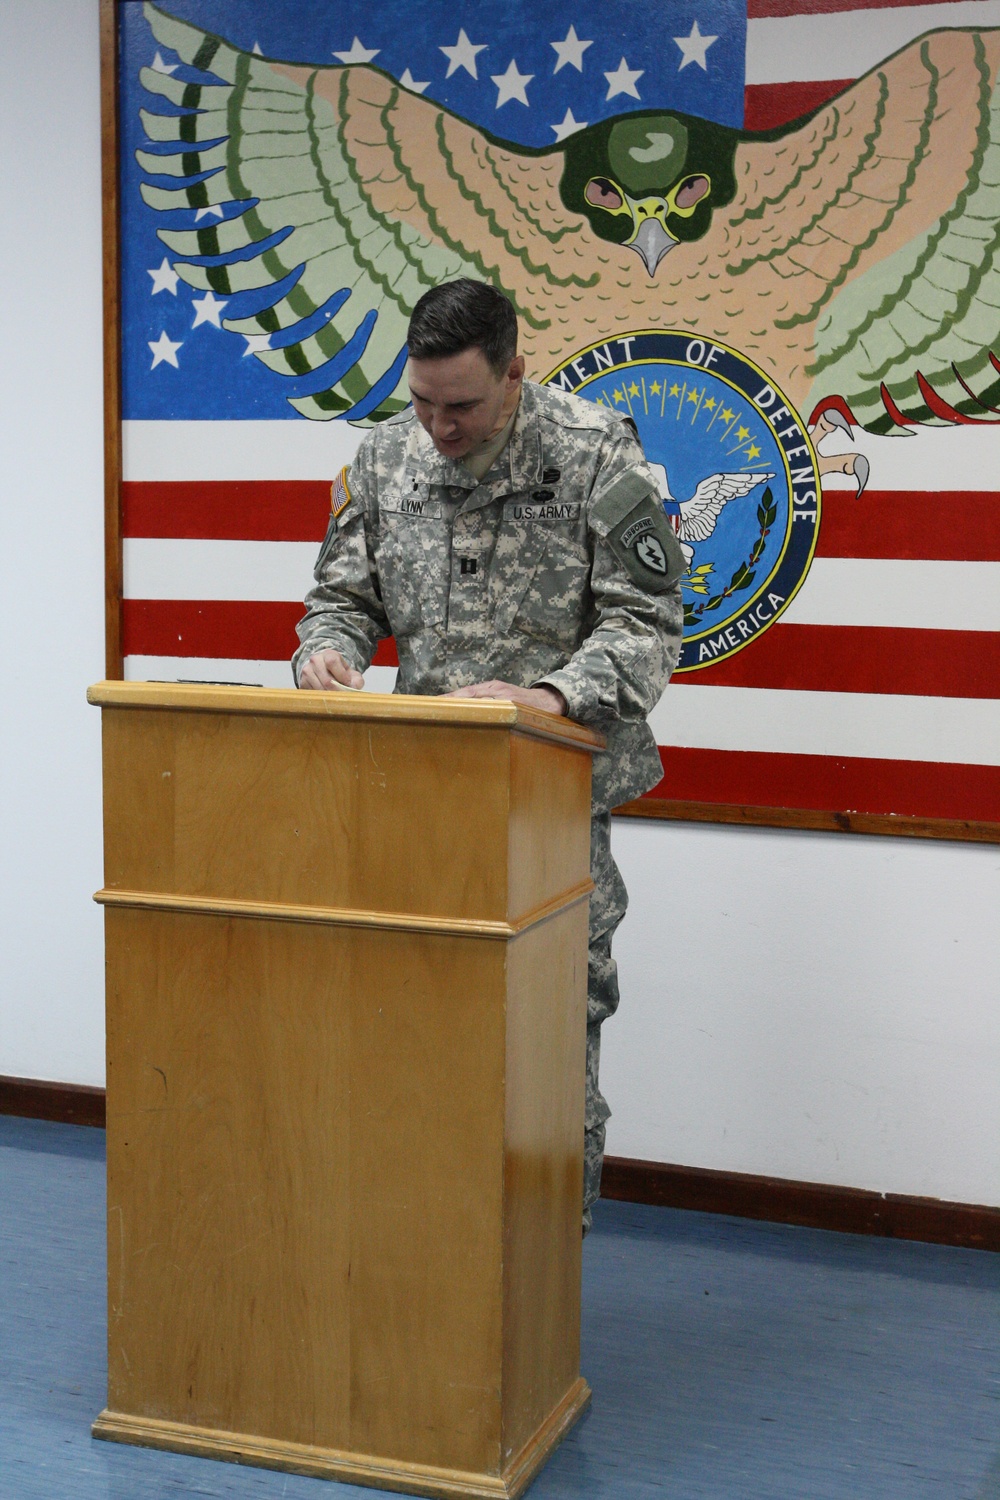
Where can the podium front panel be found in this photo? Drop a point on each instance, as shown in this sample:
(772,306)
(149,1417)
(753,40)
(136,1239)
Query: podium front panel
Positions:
(346,997)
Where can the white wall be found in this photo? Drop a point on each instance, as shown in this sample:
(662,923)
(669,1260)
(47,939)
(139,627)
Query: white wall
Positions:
(809,1005)
(51,553)
(805,1005)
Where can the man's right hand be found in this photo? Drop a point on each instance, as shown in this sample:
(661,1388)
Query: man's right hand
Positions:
(327,672)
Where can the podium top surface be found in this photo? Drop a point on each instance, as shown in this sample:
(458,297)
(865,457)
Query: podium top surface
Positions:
(483,713)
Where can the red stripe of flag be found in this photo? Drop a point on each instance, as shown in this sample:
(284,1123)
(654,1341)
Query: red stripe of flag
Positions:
(943,526)
(955,525)
(234,629)
(292,510)
(907,788)
(769,9)
(863,659)
(820,658)
(766,105)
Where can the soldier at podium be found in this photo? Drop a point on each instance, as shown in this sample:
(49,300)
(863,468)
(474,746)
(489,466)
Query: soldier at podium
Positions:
(512,539)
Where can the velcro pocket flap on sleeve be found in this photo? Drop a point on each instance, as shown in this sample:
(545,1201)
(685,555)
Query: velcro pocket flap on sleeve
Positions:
(620,498)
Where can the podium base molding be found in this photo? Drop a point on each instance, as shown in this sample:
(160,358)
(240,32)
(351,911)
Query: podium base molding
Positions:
(353,1468)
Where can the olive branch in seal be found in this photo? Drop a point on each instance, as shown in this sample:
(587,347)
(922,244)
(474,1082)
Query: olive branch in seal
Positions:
(744,576)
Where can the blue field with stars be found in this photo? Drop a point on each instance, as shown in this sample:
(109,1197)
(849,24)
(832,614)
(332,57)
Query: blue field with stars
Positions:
(526,74)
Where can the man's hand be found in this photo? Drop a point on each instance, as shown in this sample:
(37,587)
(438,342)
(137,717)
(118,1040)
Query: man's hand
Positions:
(545,698)
(327,672)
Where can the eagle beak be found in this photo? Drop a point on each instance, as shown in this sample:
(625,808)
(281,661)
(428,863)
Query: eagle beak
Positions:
(652,239)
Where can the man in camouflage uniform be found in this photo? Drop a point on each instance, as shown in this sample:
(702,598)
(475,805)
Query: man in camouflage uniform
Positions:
(512,539)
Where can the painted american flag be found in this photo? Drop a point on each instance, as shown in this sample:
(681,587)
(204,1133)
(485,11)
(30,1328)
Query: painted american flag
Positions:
(878,690)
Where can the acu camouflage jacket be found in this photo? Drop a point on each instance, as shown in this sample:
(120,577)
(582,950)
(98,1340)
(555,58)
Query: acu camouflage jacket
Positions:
(558,568)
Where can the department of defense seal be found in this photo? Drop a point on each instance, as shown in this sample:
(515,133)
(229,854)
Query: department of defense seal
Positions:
(738,477)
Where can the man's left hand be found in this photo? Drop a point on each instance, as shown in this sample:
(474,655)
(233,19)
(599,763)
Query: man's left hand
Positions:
(545,698)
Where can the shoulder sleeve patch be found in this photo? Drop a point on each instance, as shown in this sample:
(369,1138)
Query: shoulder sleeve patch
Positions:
(645,545)
(340,495)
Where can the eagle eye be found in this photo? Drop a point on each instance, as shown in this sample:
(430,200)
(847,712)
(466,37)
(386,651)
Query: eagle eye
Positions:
(691,191)
(602,193)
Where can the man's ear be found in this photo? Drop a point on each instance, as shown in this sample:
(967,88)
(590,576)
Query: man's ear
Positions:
(515,370)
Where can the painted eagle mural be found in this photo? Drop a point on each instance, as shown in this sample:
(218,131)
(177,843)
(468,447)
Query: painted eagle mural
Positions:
(851,255)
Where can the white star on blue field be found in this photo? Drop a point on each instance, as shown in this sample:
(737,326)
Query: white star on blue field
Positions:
(530,74)
(578,54)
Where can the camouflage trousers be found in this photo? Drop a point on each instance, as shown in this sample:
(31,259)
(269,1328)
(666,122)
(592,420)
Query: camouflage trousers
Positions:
(607,907)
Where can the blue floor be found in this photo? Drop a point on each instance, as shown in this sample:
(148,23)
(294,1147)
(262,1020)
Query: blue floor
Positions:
(729,1360)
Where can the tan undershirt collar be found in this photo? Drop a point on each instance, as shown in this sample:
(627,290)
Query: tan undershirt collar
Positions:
(481,459)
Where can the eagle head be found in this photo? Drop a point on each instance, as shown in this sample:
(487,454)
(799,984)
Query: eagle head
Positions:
(650,180)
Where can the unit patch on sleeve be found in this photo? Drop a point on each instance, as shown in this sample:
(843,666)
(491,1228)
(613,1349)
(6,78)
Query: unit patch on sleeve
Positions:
(645,544)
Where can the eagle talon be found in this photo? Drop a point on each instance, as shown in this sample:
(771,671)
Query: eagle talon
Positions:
(861,470)
(855,464)
(828,420)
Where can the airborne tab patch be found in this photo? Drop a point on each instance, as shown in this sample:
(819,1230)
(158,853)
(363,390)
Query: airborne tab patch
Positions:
(340,495)
(644,542)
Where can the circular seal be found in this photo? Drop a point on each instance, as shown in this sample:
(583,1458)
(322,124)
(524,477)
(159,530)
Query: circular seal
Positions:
(737,472)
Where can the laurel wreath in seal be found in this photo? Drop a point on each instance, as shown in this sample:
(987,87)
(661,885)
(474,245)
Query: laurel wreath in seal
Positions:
(744,576)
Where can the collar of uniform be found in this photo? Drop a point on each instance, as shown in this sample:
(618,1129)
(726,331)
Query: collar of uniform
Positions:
(432,467)
(518,467)
(525,447)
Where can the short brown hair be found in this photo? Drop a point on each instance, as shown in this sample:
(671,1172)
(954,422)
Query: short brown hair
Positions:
(461,315)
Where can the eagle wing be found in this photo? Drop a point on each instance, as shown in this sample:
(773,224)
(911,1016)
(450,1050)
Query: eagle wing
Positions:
(700,513)
(865,244)
(339,215)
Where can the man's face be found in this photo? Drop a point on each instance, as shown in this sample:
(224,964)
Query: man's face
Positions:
(460,401)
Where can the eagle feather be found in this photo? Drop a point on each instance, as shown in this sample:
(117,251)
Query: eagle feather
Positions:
(860,244)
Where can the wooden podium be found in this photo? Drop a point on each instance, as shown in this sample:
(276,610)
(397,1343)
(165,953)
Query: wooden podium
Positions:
(346,994)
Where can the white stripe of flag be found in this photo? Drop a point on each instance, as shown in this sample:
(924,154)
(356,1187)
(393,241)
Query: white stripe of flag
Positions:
(845,44)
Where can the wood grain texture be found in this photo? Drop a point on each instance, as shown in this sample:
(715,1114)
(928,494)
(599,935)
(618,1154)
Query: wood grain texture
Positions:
(343,916)
(361,707)
(960,830)
(543,1177)
(305,1156)
(290,811)
(276,808)
(298,1458)
(628,1180)
(344,1087)
(111,263)
(548,821)
(420,1479)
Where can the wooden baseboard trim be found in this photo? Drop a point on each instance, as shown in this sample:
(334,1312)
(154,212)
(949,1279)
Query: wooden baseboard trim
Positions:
(37,1099)
(811,1205)
(674,811)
